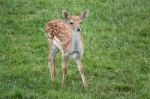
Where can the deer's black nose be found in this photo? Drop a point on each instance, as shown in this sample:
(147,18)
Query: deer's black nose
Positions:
(78,29)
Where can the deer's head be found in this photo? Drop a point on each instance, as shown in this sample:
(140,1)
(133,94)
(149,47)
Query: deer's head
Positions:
(75,21)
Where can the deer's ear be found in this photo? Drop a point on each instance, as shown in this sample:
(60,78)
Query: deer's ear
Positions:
(84,15)
(65,14)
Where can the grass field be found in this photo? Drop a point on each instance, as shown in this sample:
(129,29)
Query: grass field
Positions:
(116,57)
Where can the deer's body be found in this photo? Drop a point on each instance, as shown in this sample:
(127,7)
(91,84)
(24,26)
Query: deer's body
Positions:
(67,40)
(65,36)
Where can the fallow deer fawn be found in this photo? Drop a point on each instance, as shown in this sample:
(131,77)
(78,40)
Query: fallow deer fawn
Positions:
(64,36)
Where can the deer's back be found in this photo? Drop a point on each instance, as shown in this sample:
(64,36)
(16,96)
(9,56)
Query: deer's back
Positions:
(59,29)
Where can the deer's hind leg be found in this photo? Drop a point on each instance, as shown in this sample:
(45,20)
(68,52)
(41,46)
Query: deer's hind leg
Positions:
(51,60)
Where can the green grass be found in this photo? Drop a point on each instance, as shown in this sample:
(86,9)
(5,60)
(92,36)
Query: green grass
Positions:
(117,50)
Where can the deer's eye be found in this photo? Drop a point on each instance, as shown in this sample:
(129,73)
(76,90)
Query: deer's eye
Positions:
(71,22)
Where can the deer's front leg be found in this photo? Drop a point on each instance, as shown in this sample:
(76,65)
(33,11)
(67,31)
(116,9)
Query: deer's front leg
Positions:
(80,67)
(64,68)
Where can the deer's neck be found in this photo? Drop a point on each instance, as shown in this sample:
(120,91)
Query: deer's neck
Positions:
(76,44)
